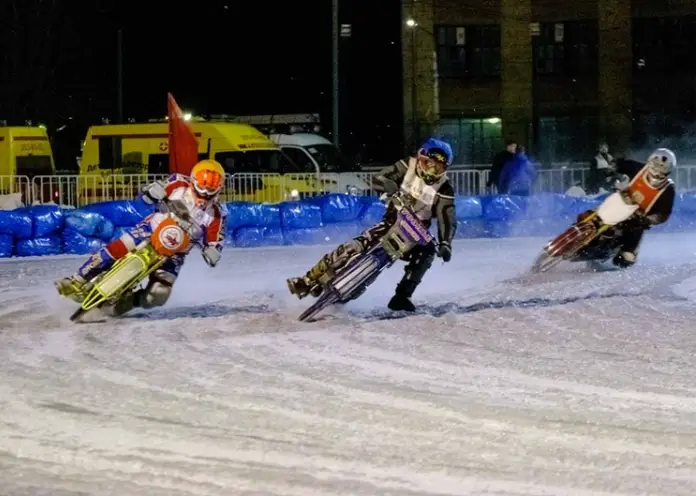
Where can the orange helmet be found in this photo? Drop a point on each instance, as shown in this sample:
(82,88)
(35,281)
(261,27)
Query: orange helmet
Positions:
(208,178)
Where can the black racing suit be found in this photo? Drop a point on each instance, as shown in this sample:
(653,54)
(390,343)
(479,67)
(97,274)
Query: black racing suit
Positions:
(420,258)
(630,232)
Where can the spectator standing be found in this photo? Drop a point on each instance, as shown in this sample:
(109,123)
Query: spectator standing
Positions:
(602,170)
(518,176)
(499,162)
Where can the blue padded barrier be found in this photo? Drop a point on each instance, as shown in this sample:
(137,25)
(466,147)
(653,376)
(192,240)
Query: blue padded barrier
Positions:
(333,234)
(247,214)
(686,203)
(503,207)
(122,213)
(18,223)
(468,207)
(6,245)
(340,208)
(79,244)
(372,213)
(548,206)
(342,231)
(300,215)
(470,229)
(331,219)
(45,245)
(247,237)
(89,224)
(578,206)
(305,236)
(46,219)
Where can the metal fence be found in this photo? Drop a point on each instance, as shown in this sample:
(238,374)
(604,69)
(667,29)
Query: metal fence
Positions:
(77,191)
(16,185)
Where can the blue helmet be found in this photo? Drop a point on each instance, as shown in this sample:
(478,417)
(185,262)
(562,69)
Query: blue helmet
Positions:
(438,150)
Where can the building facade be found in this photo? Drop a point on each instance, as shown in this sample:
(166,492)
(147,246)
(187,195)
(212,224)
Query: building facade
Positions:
(558,76)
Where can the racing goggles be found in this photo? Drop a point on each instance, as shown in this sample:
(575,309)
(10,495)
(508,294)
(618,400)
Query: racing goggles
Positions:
(207,184)
(431,166)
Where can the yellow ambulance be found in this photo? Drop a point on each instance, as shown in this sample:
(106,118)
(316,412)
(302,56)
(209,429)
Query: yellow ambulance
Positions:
(116,157)
(25,152)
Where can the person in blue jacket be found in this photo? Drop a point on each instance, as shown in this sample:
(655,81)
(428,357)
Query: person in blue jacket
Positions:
(518,176)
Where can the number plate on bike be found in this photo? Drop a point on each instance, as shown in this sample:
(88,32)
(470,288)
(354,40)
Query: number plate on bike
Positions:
(412,226)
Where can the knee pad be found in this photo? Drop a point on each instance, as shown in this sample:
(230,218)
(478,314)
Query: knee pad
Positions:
(155,294)
(344,252)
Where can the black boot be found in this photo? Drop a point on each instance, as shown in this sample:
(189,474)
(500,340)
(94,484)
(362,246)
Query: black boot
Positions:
(124,305)
(401,301)
(624,259)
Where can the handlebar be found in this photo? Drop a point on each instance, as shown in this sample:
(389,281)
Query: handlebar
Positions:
(176,207)
(398,201)
(181,215)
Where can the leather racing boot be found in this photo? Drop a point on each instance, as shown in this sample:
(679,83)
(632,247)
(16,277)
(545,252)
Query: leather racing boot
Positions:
(74,287)
(401,301)
(310,283)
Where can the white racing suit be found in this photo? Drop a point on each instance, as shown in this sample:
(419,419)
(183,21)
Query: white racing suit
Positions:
(210,215)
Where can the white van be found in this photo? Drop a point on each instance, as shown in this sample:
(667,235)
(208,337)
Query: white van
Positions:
(314,153)
(296,136)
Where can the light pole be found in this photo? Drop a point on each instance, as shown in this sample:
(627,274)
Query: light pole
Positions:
(335,88)
(413,25)
(119,75)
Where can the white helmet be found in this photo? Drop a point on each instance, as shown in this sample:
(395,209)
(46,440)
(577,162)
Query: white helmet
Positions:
(660,165)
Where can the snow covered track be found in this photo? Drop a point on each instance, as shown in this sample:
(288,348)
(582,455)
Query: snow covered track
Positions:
(570,383)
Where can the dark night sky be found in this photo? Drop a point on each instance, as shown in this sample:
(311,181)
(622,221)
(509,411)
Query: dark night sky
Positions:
(215,56)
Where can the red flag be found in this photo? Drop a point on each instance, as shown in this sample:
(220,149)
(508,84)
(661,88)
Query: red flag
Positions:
(183,146)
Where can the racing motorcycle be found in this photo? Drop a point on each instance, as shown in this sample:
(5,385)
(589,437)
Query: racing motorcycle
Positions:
(593,238)
(353,279)
(174,234)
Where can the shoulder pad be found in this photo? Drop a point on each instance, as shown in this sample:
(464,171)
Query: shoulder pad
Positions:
(404,163)
(179,177)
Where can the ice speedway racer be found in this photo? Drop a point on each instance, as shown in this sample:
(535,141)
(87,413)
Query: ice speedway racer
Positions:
(644,198)
(353,279)
(417,191)
(188,213)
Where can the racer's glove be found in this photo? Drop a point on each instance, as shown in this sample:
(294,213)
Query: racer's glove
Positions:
(639,222)
(444,251)
(154,193)
(390,186)
(621,182)
(211,255)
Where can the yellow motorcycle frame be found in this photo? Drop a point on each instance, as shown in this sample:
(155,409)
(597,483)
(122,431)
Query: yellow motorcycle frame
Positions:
(171,236)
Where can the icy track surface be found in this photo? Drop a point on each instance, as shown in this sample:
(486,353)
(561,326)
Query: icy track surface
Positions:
(573,383)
